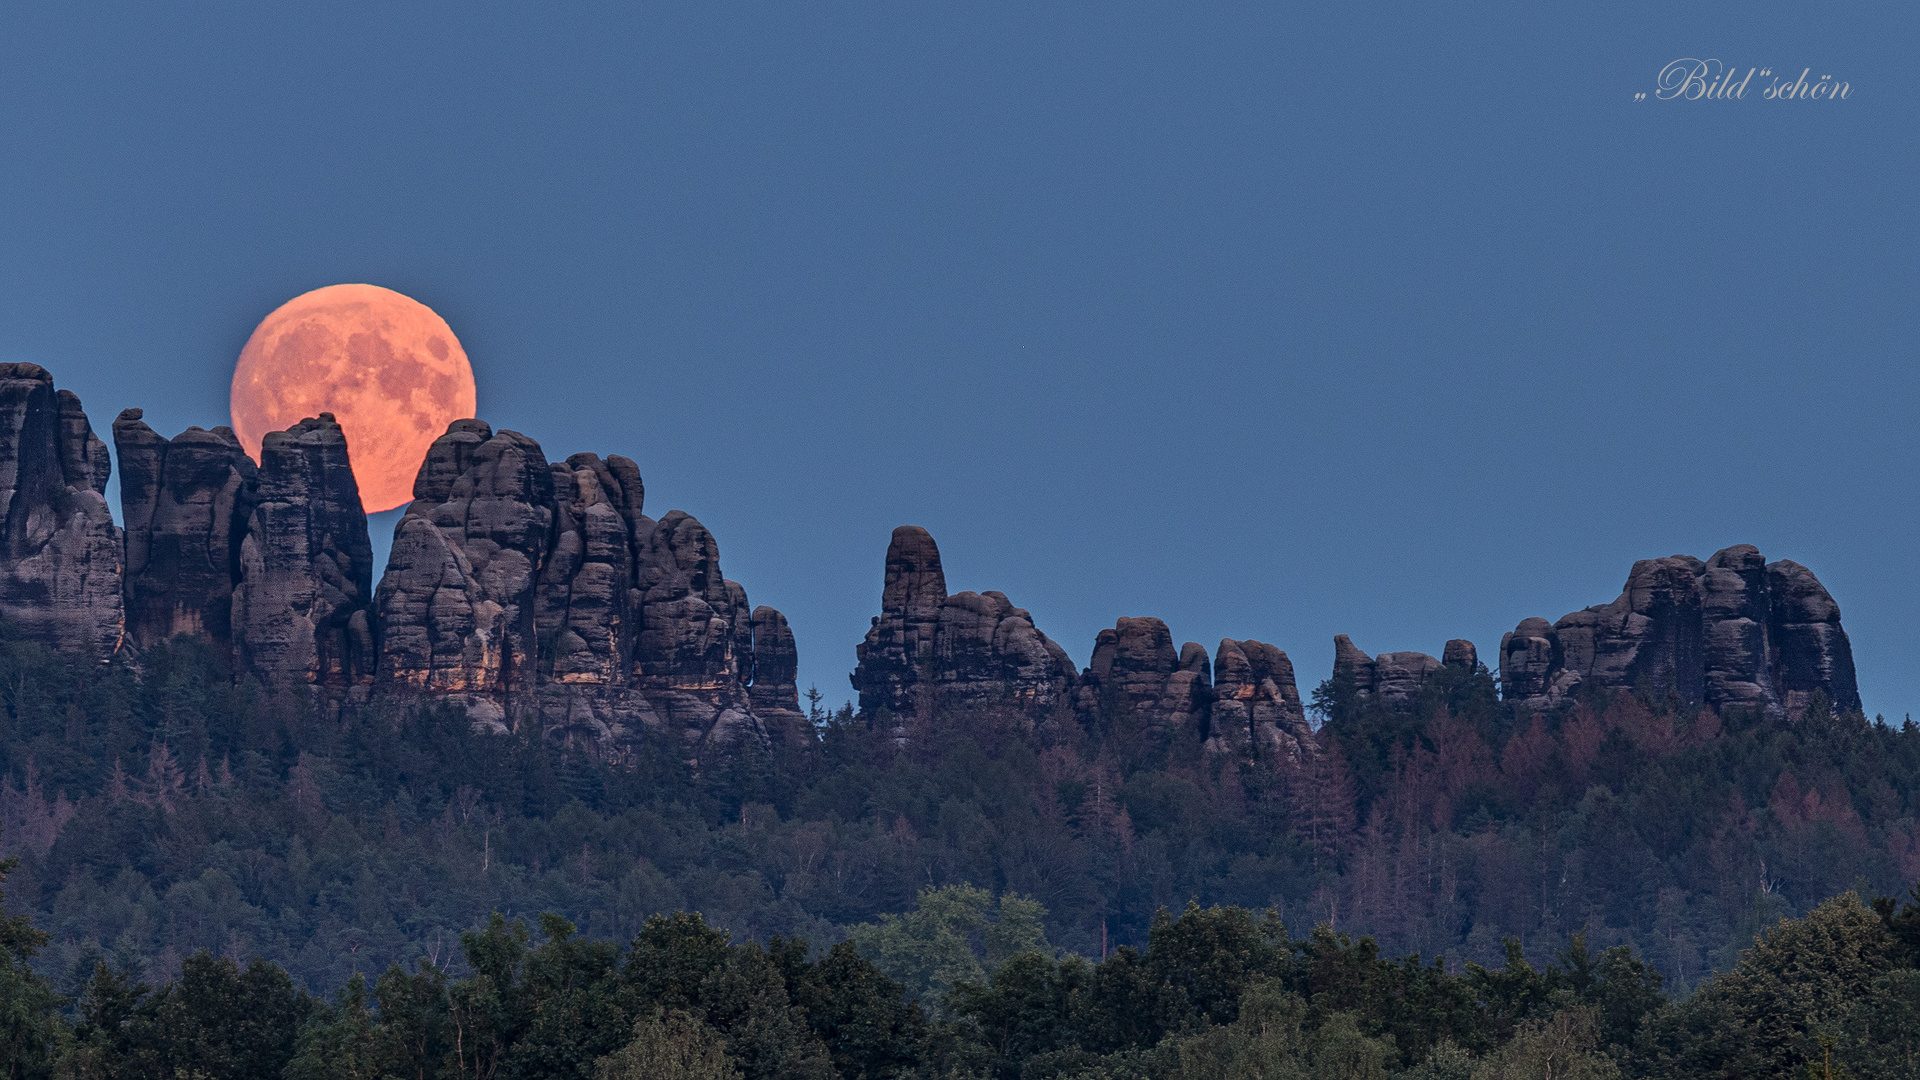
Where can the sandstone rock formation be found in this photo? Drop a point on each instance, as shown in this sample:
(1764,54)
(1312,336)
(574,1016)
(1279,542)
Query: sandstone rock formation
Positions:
(775,693)
(61,580)
(1136,682)
(530,591)
(456,606)
(585,604)
(1731,632)
(305,583)
(185,503)
(928,650)
(1256,709)
(894,665)
(1396,677)
(693,656)
(527,591)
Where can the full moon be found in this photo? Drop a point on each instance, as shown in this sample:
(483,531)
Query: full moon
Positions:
(387,368)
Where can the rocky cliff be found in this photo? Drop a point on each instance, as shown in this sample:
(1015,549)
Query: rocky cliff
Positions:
(61,578)
(185,503)
(928,651)
(1256,709)
(455,608)
(1396,677)
(1136,682)
(1732,632)
(521,590)
(304,587)
(529,591)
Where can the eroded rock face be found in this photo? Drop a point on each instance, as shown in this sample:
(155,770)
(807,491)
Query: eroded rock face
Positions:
(61,583)
(456,605)
(928,650)
(301,603)
(1731,632)
(1460,653)
(1396,677)
(775,693)
(693,656)
(536,592)
(1136,682)
(1808,649)
(586,601)
(1353,664)
(1256,710)
(895,661)
(186,502)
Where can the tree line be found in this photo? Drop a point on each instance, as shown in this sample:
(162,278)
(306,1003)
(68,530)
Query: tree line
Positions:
(172,810)
(1218,992)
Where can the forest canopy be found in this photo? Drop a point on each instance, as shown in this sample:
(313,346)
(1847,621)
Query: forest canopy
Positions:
(172,823)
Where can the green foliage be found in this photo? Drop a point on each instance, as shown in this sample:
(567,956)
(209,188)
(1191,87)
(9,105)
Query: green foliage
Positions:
(1541,879)
(1798,982)
(30,1040)
(164,812)
(671,1046)
(956,934)
(1879,1037)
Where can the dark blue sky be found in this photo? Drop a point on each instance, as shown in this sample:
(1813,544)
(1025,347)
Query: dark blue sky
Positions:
(1275,321)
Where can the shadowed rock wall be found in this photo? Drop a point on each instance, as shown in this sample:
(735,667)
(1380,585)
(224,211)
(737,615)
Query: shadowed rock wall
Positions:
(1732,632)
(61,582)
(927,650)
(528,591)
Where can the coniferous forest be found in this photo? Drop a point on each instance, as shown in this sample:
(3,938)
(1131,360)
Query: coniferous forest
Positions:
(210,881)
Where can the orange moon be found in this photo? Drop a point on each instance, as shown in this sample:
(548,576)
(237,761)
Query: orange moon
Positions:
(387,368)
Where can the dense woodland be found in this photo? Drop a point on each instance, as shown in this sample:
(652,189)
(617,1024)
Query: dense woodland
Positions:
(1218,993)
(171,826)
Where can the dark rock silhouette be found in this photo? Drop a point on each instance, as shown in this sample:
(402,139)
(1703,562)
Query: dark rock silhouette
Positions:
(585,604)
(1256,709)
(1137,683)
(895,663)
(775,692)
(1396,677)
(305,587)
(693,657)
(928,650)
(61,582)
(1732,632)
(528,591)
(185,502)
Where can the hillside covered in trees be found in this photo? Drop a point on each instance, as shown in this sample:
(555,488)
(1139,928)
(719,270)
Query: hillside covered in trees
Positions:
(159,814)
(1218,992)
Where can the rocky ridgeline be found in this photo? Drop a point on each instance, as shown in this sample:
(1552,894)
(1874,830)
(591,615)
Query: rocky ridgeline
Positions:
(526,591)
(1733,632)
(928,652)
(521,590)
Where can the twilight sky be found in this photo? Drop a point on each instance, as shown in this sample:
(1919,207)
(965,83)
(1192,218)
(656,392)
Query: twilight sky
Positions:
(1273,320)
